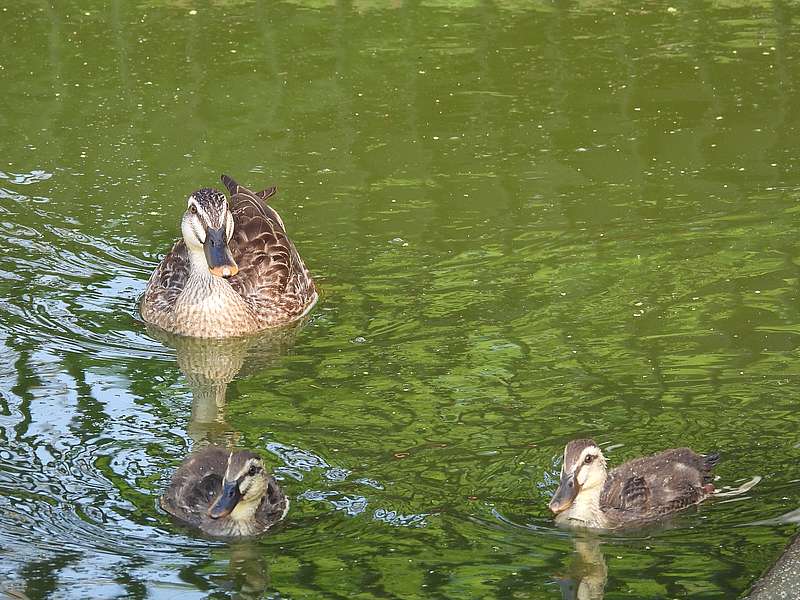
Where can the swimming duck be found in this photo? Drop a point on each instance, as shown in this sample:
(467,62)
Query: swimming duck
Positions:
(235,272)
(640,490)
(225,493)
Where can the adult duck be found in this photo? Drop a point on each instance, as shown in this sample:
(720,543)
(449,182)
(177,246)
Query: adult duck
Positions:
(638,491)
(234,273)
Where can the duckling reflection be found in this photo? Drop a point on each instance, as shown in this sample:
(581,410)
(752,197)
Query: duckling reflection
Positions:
(211,364)
(638,492)
(587,573)
(225,493)
(248,572)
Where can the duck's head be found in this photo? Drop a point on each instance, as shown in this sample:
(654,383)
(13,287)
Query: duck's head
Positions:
(243,486)
(207,227)
(583,468)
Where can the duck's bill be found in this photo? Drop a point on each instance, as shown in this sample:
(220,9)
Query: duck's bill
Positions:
(565,494)
(227,501)
(218,254)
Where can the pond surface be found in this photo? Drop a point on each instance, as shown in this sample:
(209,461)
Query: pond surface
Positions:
(530,221)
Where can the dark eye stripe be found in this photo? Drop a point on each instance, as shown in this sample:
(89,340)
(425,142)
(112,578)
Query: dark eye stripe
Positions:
(203,216)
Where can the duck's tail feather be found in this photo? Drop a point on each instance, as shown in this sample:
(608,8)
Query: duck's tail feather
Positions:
(710,460)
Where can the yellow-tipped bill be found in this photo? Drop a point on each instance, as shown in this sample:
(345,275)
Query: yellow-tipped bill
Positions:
(218,254)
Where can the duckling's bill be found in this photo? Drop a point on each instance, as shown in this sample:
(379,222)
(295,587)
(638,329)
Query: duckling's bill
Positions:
(218,254)
(227,501)
(565,494)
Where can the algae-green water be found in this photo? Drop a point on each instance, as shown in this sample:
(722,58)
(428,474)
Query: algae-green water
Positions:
(530,221)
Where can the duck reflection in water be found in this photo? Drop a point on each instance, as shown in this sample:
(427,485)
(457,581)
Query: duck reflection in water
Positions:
(587,572)
(239,570)
(209,365)
(248,572)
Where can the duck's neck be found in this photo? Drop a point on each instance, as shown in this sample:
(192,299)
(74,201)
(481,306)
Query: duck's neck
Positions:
(208,306)
(585,510)
(241,522)
(206,295)
(200,281)
(245,511)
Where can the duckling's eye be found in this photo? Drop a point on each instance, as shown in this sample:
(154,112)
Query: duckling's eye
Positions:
(193,209)
(589,459)
(253,470)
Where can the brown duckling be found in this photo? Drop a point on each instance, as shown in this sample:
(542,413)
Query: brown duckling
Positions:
(225,493)
(638,491)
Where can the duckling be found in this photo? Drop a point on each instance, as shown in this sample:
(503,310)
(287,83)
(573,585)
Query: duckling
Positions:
(234,273)
(640,490)
(225,493)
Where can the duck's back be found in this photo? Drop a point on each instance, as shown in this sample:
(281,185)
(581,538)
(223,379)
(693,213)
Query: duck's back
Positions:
(272,278)
(653,486)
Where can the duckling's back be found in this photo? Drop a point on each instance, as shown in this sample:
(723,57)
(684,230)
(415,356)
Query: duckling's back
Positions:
(195,485)
(653,486)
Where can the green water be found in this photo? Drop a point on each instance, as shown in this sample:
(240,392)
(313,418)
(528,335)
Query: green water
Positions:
(530,221)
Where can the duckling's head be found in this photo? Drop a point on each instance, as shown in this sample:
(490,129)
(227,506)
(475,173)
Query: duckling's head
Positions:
(243,487)
(584,468)
(207,227)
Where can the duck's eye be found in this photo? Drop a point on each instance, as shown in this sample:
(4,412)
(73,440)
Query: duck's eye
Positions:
(193,209)
(589,459)
(253,470)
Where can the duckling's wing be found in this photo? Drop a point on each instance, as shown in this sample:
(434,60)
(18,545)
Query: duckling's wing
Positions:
(168,280)
(274,506)
(625,490)
(272,277)
(659,484)
(195,484)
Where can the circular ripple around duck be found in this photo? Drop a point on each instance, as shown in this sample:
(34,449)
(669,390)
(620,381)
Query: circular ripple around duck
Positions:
(72,291)
(94,503)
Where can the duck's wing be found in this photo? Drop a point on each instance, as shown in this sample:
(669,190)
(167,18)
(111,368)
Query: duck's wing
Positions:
(274,506)
(195,484)
(658,485)
(625,491)
(168,280)
(272,277)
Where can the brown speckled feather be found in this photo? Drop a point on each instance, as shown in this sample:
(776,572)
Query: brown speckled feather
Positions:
(658,484)
(272,278)
(167,281)
(273,286)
